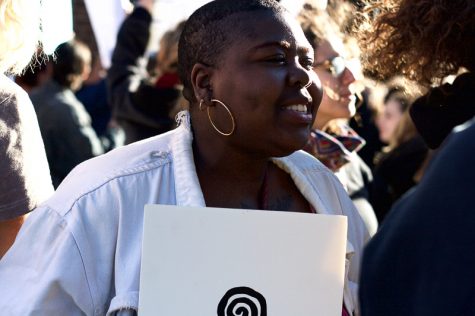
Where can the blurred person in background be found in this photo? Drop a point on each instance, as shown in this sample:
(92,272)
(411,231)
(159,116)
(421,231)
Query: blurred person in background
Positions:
(421,260)
(93,95)
(395,103)
(399,166)
(332,140)
(346,15)
(143,104)
(64,122)
(25,179)
(38,73)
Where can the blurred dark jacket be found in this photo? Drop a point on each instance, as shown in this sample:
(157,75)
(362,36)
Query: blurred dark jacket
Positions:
(436,113)
(394,174)
(66,129)
(142,109)
(421,260)
(94,98)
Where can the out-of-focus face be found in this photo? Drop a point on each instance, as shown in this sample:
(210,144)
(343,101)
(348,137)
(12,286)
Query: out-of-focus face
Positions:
(338,95)
(79,79)
(263,77)
(388,120)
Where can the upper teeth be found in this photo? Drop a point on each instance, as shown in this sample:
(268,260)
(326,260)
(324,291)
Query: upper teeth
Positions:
(298,107)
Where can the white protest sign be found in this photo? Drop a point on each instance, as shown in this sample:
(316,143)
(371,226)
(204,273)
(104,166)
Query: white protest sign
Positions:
(56,23)
(106,17)
(204,261)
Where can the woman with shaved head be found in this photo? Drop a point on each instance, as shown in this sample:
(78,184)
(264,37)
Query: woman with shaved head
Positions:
(246,67)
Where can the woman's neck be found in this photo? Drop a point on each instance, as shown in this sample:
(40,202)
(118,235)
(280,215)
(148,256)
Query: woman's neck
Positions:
(228,177)
(233,178)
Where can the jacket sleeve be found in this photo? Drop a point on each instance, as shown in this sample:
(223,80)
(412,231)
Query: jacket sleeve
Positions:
(43,273)
(132,97)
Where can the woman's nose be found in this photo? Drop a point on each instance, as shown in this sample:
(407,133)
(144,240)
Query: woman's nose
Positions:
(299,76)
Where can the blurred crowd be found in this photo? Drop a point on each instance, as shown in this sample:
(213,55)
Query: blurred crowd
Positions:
(384,125)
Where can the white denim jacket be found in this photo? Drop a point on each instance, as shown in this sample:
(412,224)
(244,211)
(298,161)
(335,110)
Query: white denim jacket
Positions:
(79,253)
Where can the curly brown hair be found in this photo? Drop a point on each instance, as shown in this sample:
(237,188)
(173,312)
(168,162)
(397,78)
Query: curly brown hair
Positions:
(424,40)
(317,25)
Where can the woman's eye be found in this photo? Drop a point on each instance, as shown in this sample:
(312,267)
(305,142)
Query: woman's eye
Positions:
(307,63)
(278,59)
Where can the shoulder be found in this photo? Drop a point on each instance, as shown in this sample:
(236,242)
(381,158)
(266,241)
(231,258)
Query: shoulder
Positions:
(305,162)
(439,209)
(48,99)
(460,145)
(114,173)
(18,123)
(11,93)
(311,176)
(14,102)
(315,172)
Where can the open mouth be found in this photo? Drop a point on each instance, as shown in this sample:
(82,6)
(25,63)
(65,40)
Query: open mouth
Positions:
(299,112)
(297,107)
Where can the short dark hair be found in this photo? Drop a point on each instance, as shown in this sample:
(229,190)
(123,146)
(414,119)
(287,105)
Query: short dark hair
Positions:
(70,59)
(206,34)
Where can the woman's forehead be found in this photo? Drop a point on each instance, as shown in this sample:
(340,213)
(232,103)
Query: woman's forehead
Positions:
(259,27)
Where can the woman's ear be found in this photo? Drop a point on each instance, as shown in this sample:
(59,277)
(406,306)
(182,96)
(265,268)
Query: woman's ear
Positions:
(201,81)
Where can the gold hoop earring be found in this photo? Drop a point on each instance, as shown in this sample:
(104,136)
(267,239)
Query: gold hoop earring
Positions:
(200,106)
(230,114)
(309,83)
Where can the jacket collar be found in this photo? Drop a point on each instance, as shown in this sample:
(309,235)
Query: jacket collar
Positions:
(187,185)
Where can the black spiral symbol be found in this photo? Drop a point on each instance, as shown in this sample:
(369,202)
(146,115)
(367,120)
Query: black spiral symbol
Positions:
(242,301)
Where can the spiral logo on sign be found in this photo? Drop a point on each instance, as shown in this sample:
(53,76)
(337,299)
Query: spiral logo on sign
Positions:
(242,301)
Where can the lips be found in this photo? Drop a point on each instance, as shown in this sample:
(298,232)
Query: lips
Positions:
(297,107)
(298,113)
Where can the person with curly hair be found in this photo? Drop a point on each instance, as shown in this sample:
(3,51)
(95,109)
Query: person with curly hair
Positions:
(332,140)
(421,260)
(426,41)
(25,180)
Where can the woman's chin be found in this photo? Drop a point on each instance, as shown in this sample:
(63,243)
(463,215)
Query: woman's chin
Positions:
(291,147)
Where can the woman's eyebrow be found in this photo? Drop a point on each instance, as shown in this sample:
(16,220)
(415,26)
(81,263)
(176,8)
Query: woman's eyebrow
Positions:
(282,44)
